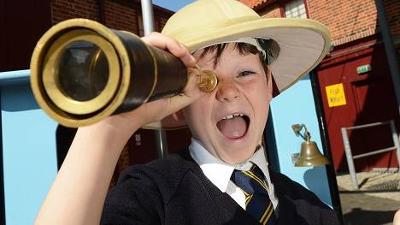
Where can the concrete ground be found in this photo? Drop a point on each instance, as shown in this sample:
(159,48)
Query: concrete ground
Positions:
(374,203)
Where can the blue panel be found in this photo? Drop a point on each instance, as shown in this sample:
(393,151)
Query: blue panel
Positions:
(29,154)
(296,105)
(14,77)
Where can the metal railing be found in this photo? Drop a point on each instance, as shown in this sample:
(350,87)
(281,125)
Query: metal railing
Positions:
(349,155)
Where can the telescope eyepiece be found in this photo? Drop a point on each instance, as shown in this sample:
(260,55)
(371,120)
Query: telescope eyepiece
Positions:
(83,71)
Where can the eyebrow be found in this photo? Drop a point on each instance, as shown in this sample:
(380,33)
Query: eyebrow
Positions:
(242,48)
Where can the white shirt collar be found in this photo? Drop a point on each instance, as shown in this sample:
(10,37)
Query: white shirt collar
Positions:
(219,172)
(261,161)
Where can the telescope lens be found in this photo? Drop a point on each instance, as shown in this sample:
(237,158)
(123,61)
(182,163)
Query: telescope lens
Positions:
(83,70)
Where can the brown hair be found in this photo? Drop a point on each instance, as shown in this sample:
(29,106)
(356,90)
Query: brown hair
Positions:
(243,49)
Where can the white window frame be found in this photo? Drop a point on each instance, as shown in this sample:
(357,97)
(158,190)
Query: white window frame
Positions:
(295,9)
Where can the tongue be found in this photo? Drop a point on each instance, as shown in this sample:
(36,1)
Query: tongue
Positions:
(233,128)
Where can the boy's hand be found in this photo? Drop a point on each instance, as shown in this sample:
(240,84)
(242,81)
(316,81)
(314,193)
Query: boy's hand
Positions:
(157,110)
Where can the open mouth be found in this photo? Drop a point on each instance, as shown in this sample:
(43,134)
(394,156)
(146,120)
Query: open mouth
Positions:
(234,126)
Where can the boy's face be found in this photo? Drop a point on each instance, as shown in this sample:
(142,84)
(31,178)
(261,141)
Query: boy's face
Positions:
(230,121)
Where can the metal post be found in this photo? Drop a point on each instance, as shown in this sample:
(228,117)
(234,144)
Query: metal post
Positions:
(162,147)
(395,140)
(330,170)
(390,50)
(147,15)
(349,157)
(148,26)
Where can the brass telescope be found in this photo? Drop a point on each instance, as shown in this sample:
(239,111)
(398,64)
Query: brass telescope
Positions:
(82,72)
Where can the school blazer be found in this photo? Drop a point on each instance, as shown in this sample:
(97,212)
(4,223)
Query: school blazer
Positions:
(175,191)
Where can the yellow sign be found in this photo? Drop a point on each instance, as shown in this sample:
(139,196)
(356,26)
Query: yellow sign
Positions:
(335,95)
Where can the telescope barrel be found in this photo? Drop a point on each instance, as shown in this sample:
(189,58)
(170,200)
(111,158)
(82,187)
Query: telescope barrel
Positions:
(82,72)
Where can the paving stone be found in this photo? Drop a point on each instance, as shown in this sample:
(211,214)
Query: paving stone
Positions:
(374,203)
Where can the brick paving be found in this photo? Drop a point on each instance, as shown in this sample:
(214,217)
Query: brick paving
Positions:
(374,203)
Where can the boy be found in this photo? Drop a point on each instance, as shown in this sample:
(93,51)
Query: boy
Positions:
(223,177)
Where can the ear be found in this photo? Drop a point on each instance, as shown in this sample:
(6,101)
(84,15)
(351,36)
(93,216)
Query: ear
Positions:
(271,85)
(275,89)
(179,115)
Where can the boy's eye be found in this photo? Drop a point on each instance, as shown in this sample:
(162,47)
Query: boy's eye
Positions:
(246,73)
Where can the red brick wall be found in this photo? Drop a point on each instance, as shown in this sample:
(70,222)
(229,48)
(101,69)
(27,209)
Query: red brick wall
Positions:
(393,16)
(160,20)
(273,11)
(21,26)
(68,9)
(253,3)
(116,14)
(347,20)
(121,17)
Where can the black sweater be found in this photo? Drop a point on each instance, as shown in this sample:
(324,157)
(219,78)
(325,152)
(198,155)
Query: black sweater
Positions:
(175,191)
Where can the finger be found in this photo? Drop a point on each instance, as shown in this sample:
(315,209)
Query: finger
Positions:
(192,86)
(158,109)
(167,106)
(190,94)
(171,45)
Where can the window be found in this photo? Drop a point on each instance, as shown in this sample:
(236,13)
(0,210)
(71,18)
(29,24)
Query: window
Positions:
(295,9)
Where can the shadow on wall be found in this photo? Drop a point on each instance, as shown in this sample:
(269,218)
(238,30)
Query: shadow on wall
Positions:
(18,98)
(313,184)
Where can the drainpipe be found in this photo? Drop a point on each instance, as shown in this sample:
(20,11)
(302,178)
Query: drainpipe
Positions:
(148,26)
(390,49)
(147,12)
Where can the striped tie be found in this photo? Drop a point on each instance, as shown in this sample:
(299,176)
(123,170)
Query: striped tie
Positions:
(255,188)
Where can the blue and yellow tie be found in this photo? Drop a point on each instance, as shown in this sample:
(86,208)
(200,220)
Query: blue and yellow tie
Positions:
(255,187)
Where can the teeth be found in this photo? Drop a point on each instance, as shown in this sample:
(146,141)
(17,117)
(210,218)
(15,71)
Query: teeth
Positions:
(228,117)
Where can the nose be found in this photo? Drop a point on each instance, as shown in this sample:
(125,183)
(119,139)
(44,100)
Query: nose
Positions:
(226,91)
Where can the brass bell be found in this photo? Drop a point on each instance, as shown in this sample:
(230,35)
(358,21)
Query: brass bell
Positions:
(309,152)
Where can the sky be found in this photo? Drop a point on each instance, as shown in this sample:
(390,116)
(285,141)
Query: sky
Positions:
(172,5)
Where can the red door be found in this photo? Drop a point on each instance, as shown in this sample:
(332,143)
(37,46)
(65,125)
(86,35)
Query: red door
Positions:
(367,98)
